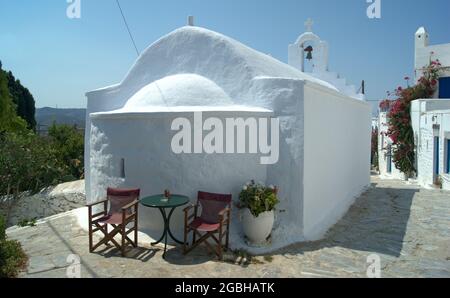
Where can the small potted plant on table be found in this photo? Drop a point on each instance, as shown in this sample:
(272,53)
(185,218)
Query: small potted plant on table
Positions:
(257,203)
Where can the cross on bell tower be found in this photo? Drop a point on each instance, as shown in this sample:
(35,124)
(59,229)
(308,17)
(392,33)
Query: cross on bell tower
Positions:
(308,25)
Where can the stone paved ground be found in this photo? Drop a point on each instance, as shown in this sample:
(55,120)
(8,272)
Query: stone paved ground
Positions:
(408,227)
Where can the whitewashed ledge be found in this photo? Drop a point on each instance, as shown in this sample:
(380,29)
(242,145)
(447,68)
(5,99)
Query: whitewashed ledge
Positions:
(48,202)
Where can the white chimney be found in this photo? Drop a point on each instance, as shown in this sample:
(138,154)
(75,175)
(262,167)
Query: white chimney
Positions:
(190,20)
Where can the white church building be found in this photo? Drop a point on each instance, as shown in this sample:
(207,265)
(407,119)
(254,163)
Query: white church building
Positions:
(431,117)
(320,169)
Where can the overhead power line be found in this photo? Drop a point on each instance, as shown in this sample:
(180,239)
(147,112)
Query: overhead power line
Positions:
(128,28)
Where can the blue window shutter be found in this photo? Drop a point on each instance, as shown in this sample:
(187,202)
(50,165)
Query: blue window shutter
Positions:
(448,156)
(444,87)
(436,155)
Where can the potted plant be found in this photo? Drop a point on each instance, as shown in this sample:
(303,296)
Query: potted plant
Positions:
(257,203)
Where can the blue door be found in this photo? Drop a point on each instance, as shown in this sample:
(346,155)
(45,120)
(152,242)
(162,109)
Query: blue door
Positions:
(448,157)
(389,160)
(444,87)
(436,155)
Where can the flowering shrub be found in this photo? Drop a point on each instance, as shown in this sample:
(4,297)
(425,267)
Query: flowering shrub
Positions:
(399,117)
(258,198)
(385,105)
(374,148)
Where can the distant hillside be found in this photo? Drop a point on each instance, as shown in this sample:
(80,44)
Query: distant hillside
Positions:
(46,117)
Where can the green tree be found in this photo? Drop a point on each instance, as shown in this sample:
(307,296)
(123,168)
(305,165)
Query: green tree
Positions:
(29,163)
(24,101)
(68,143)
(8,118)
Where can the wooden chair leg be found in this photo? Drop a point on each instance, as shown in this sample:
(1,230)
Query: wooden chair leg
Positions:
(123,240)
(91,250)
(136,229)
(185,239)
(219,244)
(227,237)
(106,231)
(90,230)
(220,252)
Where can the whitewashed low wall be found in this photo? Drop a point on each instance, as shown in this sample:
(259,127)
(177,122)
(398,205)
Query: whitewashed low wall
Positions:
(336,157)
(51,201)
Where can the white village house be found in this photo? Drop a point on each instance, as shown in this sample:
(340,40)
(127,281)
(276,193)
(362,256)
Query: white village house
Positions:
(430,121)
(431,117)
(320,168)
(386,164)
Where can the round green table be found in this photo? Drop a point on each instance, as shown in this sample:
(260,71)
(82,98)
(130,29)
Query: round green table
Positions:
(158,202)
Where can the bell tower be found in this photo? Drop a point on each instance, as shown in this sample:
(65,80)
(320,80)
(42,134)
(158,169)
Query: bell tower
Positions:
(309,49)
(301,49)
(421,55)
(422,38)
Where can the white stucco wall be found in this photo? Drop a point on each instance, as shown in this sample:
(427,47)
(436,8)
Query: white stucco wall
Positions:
(383,143)
(286,97)
(228,63)
(423,54)
(151,165)
(441,52)
(336,157)
(425,114)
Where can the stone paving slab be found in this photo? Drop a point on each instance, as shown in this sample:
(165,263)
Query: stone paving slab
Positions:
(408,227)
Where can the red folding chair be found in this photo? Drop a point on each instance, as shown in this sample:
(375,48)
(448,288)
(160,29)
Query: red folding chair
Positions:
(213,222)
(123,210)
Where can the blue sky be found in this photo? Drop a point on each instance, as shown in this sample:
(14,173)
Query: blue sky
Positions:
(59,59)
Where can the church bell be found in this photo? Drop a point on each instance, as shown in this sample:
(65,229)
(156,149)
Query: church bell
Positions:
(309,50)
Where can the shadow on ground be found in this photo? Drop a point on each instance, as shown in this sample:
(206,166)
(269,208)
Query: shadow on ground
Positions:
(375,223)
(142,254)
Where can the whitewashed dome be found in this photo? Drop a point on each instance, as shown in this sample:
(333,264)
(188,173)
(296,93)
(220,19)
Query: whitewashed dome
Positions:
(181,90)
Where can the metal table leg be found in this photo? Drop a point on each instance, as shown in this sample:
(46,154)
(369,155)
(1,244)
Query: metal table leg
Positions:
(163,213)
(167,232)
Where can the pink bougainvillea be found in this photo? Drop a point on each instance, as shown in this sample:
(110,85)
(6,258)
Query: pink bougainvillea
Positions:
(399,117)
(385,105)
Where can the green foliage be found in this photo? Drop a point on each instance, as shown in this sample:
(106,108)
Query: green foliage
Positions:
(12,256)
(374,148)
(258,198)
(9,121)
(400,127)
(22,99)
(268,258)
(27,222)
(2,228)
(68,143)
(28,162)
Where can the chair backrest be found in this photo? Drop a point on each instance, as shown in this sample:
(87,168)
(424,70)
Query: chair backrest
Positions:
(212,204)
(119,198)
